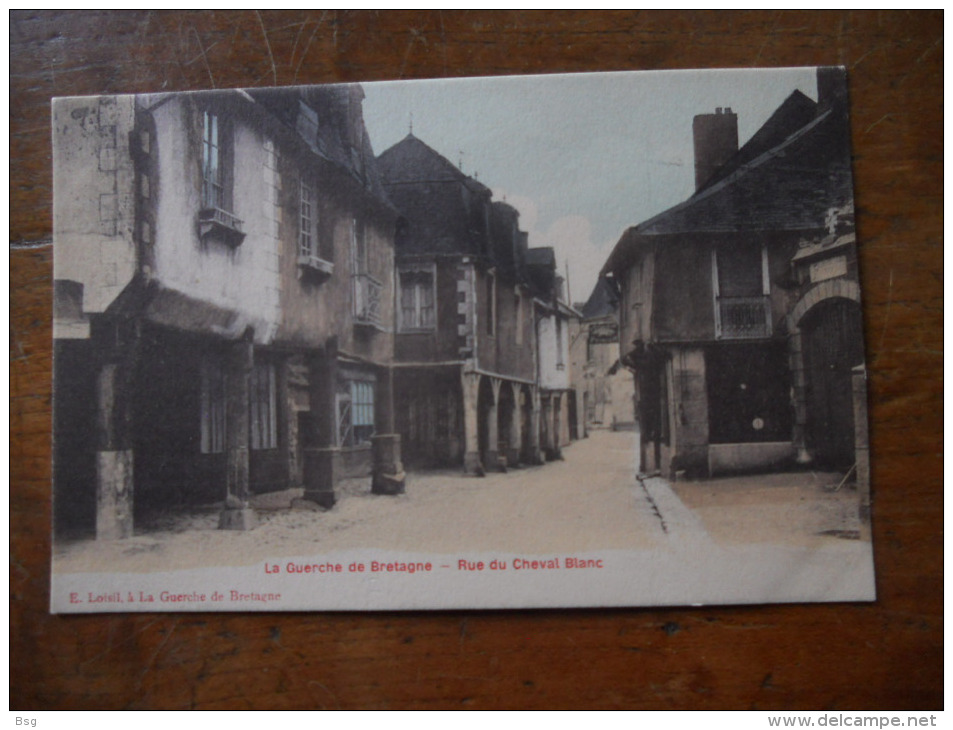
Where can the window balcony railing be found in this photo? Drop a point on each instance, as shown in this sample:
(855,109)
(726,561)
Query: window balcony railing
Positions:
(367,299)
(220,224)
(742,318)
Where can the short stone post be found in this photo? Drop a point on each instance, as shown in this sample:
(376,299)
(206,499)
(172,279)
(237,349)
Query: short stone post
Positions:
(114,455)
(388,476)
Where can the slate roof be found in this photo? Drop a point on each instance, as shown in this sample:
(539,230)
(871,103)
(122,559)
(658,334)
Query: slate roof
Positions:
(794,113)
(789,187)
(785,178)
(332,104)
(447,212)
(541,271)
(444,208)
(541,256)
(413,161)
(601,302)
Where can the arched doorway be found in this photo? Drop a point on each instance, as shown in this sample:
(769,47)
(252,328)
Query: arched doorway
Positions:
(832,333)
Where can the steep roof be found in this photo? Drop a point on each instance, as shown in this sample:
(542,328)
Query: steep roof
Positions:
(601,302)
(541,256)
(789,187)
(338,109)
(785,178)
(540,272)
(794,113)
(413,161)
(445,210)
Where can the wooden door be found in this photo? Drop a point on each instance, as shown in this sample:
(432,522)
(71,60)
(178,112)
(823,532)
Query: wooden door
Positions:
(833,346)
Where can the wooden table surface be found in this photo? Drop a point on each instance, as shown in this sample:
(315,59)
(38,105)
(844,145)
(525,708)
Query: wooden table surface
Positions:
(885,655)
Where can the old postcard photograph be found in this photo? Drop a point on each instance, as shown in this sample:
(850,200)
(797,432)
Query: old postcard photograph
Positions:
(537,341)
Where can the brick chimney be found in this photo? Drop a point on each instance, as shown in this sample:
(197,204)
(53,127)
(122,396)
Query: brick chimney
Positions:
(716,140)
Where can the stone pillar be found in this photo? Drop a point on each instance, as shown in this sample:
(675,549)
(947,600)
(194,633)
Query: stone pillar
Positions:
(388,473)
(535,452)
(472,463)
(492,461)
(799,396)
(283,419)
(319,460)
(238,514)
(862,448)
(556,408)
(516,428)
(114,455)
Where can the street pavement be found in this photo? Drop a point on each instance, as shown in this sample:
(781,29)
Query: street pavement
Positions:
(656,549)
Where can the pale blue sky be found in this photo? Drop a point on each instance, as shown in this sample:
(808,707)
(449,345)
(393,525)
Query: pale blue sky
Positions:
(582,156)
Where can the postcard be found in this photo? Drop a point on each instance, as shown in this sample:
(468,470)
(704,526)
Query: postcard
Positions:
(536,341)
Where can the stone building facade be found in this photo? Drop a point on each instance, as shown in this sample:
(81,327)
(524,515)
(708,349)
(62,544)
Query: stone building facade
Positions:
(739,306)
(607,387)
(473,299)
(224,301)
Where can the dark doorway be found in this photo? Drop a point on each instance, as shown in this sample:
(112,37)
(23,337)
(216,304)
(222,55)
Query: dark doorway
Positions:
(573,417)
(748,393)
(526,424)
(653,409)
(833,346)
(504,415)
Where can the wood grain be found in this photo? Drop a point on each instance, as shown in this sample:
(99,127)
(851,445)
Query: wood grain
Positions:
(887,655)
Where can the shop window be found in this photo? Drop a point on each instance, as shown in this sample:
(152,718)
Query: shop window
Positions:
(355,413)
(748,393)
